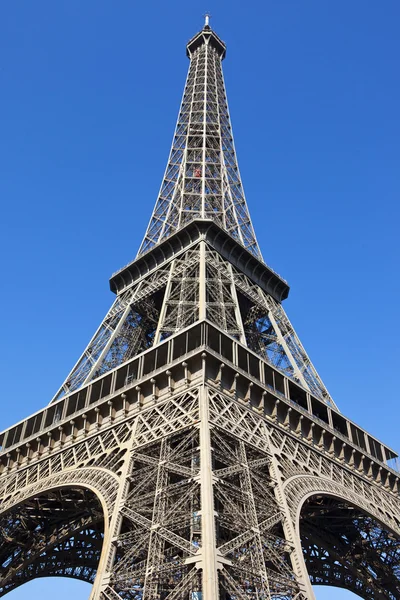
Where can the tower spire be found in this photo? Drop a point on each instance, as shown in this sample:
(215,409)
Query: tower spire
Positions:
(202,178)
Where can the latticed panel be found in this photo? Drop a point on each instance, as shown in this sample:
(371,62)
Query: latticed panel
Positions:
(202,178)
(94,350)
(127,329)
(161,528)
(181,300)
(249,524)
(160,545)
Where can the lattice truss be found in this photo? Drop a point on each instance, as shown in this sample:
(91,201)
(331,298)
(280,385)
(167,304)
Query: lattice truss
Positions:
(169,299)
(195,496)
(160,544)
(202,178)
(161,533)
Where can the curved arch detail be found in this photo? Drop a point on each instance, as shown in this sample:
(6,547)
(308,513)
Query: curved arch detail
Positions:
(71,538)
(101,482)
(300,487)
(346,540)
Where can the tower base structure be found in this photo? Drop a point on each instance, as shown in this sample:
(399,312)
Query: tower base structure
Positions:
(196,471)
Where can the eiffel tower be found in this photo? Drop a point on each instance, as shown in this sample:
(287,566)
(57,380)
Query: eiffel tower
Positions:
(193,452)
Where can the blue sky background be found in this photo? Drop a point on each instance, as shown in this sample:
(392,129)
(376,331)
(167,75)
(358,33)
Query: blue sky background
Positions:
(89,99)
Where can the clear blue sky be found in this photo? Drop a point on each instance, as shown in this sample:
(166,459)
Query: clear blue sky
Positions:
(89,98)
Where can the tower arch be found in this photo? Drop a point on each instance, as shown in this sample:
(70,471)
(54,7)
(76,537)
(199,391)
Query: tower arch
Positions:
(55,527)
(347,542)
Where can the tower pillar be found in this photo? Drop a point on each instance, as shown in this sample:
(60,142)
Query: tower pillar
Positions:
(209,562)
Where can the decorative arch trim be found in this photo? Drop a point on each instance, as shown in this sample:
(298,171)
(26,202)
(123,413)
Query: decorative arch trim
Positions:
(101,482)
(301,487)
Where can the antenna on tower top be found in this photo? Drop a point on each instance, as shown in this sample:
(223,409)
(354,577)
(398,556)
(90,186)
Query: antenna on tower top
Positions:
(207,20)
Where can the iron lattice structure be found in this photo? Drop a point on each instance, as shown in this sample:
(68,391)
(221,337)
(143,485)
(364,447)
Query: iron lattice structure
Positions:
(193,452)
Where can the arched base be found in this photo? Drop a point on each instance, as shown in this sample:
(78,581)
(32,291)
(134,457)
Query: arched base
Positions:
(345,547)
(54,533)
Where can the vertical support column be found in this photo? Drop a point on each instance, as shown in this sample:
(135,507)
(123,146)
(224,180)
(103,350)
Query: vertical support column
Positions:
(203,160)
(163,311)
(296,556)
(253,521)
(156,543)
(282,341)
(104,570)
(202,282)
(97,363)
(208,533)
(237,309)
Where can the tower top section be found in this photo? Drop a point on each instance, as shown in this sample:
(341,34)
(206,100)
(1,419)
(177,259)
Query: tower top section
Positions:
(202,179)
(206,35)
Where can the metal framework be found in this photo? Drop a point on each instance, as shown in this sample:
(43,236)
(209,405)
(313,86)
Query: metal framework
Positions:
(193,452)
(172,297)
(202,178)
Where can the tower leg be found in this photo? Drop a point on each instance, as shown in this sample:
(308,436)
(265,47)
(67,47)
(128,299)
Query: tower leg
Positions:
(209,554)
(296,556)
(101,589)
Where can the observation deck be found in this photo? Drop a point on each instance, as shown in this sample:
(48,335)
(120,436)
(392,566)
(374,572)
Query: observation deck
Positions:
(218,238)
(206,34)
